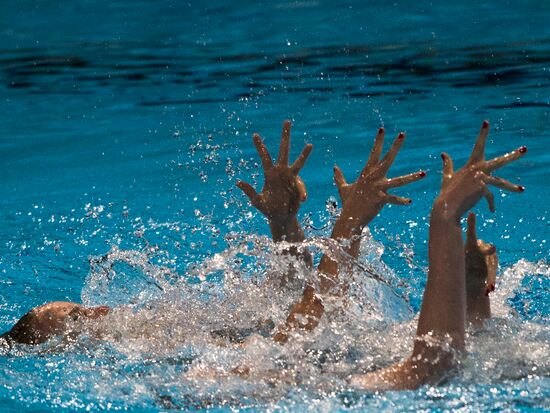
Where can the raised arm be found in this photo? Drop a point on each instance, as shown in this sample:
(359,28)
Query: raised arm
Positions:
(444,305)
(283,190)
(362,200)
(481,262)
(440,331)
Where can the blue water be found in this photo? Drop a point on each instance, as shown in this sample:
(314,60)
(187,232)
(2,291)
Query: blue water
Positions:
(125,125)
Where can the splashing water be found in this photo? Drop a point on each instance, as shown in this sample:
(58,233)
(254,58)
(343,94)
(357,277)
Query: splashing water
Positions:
(203,339)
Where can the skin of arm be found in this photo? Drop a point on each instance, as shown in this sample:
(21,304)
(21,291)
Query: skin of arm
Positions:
(481,261)
(441,325)
(282,193)
(362,201)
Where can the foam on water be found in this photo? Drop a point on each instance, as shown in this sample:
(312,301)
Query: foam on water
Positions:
(183,335)
(180,340)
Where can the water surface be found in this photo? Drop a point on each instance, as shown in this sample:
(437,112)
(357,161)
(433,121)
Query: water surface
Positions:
(124,127)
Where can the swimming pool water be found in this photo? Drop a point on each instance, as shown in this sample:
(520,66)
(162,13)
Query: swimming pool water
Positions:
(125,125)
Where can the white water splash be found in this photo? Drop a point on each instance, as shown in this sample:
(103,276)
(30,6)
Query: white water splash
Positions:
(216,320)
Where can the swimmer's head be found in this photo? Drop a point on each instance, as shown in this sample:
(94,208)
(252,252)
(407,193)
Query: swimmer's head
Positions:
(53,319)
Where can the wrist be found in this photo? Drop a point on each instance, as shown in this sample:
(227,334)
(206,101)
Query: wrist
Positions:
(346,226)
(442,211)
(286,229)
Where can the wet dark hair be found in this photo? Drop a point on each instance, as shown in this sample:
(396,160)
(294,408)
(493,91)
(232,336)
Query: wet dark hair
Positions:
(23,331)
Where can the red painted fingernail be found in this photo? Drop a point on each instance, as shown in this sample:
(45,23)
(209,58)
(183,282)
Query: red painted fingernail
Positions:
(381,130)
(442,156)
(401,135)
(485,123)
(410,201)
(523,149)
(521,188)
(492,287)
(422,174)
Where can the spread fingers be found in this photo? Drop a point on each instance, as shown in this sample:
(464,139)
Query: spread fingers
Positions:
(501,183)
(478,153)
(301,160)
(388,159)
(489,197)
(486,248)
(500,161)
(376,148)
(341,183)
(398,200)
(265,157)
(249,191)
(284,149)
(405,179)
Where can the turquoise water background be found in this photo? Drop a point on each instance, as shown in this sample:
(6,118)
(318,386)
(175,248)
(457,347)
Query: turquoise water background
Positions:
(120,118)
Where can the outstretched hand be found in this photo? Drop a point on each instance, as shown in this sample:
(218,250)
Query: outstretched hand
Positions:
(364,198)
(283,189)
(461,190)
(481,261)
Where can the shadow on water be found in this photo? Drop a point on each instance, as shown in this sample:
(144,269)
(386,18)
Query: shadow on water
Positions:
(390,70)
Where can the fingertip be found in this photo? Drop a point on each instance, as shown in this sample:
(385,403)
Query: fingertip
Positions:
(521,188)
(443,155)
(485,124)
(409,201)
(523,149)
(287,123)
(422,174)
(401,136)
(380,130)
(256,137)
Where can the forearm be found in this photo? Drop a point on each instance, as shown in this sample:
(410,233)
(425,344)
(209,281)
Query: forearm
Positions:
(478,305)
(347,228)
(443,308)
(479,276)
(304,315)
(289,231)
